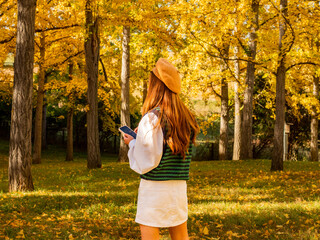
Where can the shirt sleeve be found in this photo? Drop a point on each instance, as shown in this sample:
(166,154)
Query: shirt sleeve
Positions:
(145,151)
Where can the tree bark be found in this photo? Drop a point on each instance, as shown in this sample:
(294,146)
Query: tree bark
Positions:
(19,171)
(224,115)
(40,95)
(92,45)
(44,125)
(69,156)
(277,154)
(246,133)
(125,86)
(237,111)
(314,123)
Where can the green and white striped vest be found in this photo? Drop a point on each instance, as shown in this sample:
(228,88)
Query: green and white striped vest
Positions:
(171,167)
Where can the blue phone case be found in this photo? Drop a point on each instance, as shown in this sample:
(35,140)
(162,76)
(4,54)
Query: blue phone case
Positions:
(127,130)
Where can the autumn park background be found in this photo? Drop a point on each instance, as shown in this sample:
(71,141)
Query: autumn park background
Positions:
(72,72)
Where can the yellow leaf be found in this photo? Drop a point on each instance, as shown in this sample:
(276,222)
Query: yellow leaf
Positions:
(206,231)
(219,225)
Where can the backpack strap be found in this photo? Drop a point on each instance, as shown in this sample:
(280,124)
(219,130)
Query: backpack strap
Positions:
(163,124)
(156,111)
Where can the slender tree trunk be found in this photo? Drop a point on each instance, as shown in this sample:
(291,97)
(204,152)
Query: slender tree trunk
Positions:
(115,144)
(237,111)
(277,154)
(92,45)
(125,110)
(314,123)
(224,115)
(69,156)
(19,171)
(237,103)
(44,125)
(224,118)
(246,133)
(40,95)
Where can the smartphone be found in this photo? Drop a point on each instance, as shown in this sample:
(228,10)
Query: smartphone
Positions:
(127,130)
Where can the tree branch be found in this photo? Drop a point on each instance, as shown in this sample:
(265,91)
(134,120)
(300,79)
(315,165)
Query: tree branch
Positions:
(58,39)
(57,28)
(60,63)
(242,45)
(269,19)
(7,40)
(3,2)
(220,57)
(301,63)
(285,51)
(104,70)
(68,58)
(214,91)
(7,9)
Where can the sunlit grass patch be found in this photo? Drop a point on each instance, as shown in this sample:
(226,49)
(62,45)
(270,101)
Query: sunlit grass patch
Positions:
(227,200)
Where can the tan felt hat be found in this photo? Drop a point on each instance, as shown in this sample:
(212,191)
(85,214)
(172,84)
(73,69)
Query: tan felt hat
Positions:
(168,74)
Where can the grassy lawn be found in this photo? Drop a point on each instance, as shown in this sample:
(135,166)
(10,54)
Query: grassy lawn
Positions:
(227,200)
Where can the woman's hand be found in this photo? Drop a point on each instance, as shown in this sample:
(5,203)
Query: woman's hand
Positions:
(136,130)
(127,138)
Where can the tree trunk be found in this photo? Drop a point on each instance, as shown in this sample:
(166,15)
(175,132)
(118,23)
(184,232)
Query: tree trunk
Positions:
(237,111)
(69,156)
(246,134)
(40,95)
(115,143)
(19,171)
(314,123)
(44,125)
(125,110)
(92,44)
(224,115)
(277,154)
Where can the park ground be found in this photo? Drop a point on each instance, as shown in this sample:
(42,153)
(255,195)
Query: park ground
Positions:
(227,200)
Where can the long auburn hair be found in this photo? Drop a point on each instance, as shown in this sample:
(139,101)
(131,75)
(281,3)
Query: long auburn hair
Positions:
(180,123)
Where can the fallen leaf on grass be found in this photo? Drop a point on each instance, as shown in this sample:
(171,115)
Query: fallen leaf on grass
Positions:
(205,231)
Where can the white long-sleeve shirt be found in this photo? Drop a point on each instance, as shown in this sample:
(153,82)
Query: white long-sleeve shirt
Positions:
(145,151)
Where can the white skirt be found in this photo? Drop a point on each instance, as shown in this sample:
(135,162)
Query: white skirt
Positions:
(162,203)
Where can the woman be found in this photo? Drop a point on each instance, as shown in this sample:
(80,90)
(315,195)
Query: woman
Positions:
(161,154)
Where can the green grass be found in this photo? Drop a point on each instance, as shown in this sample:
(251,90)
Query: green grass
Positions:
(227,200)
